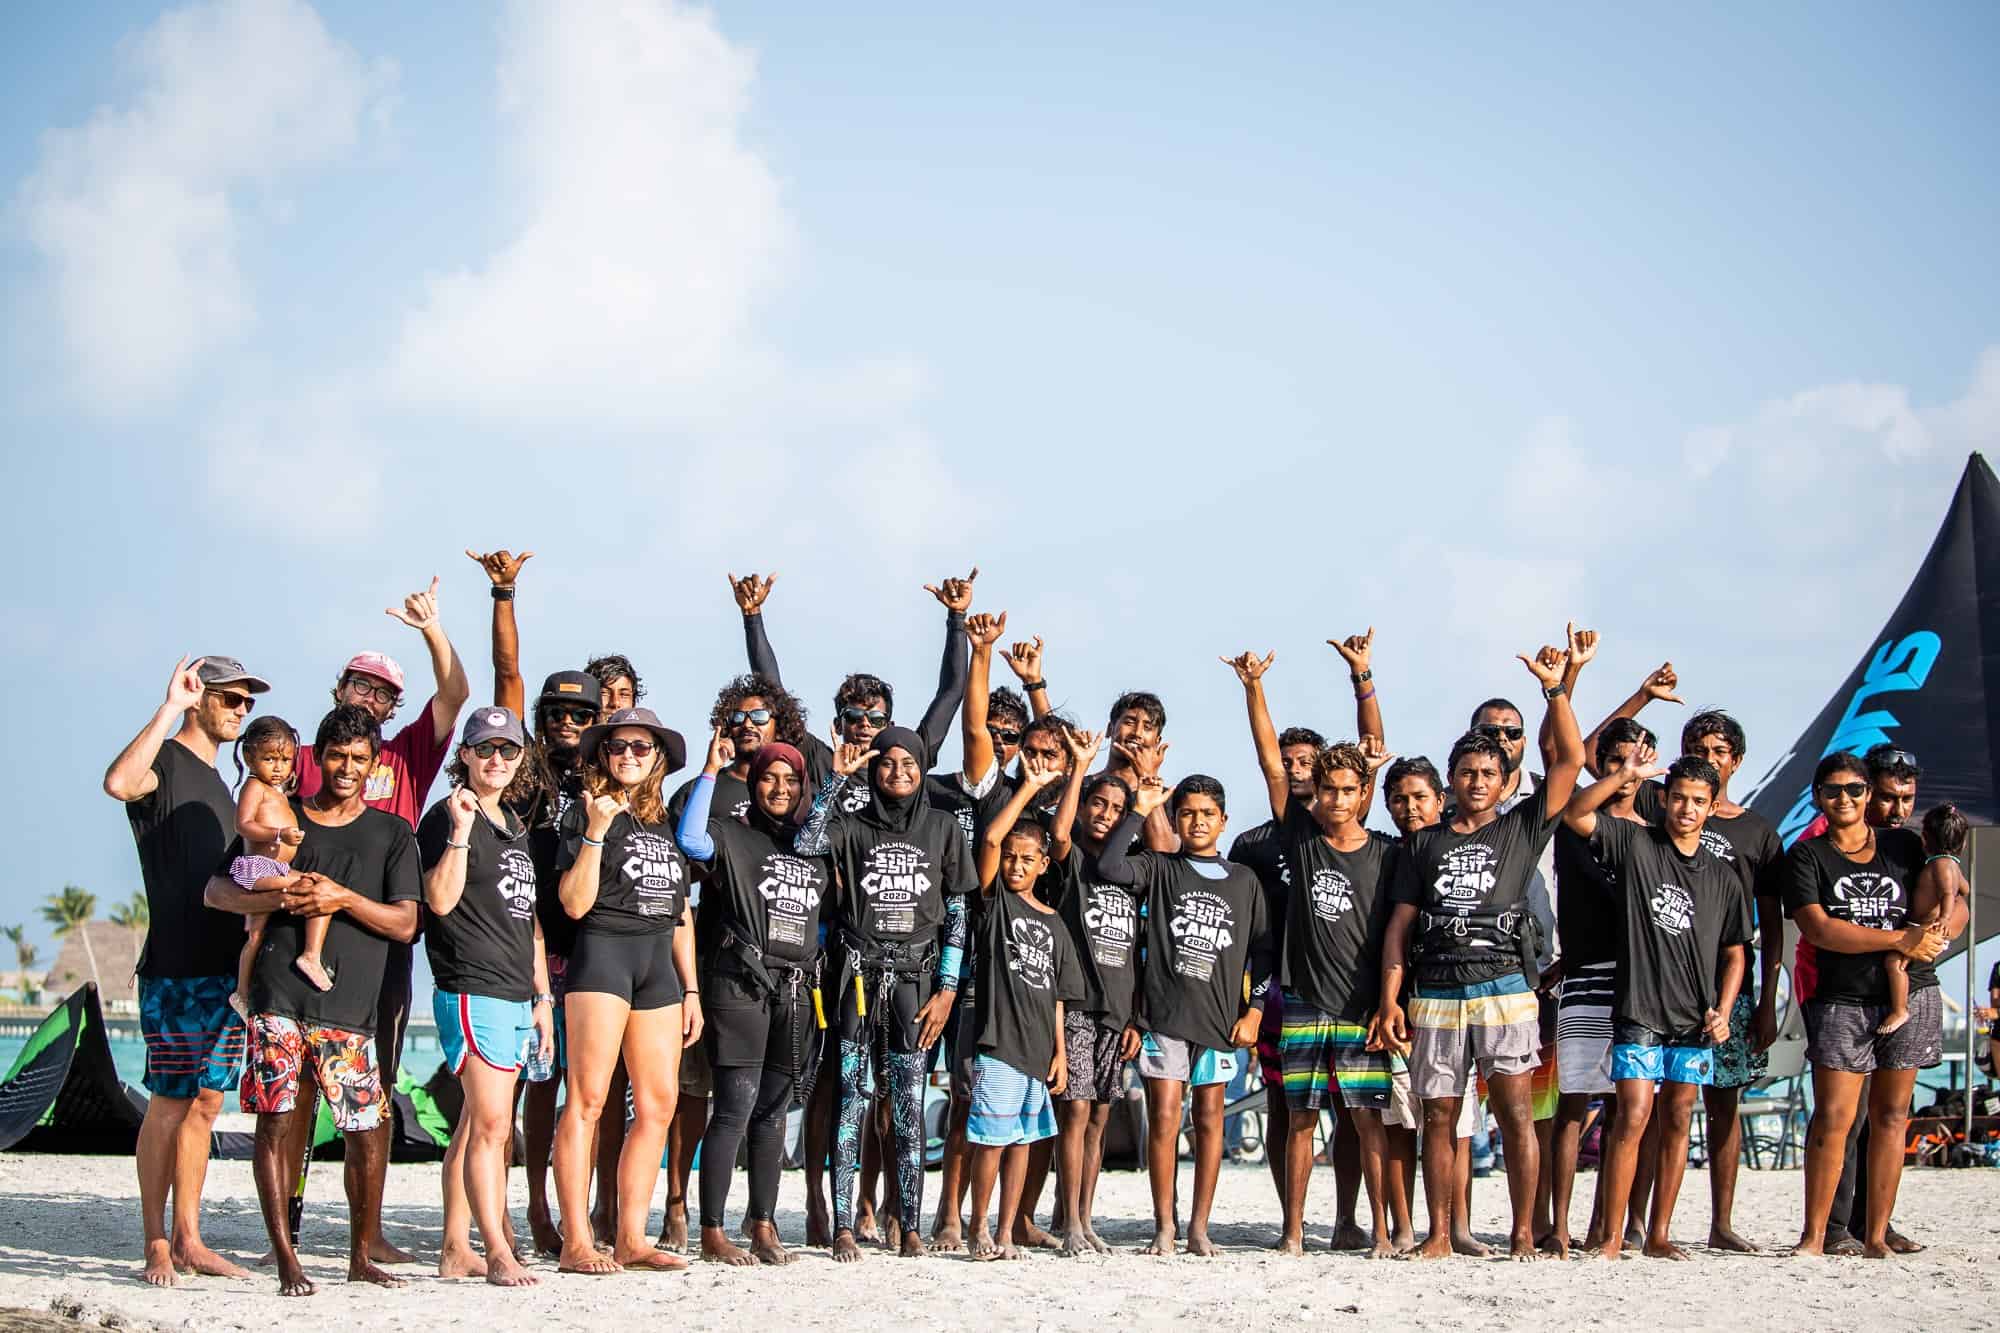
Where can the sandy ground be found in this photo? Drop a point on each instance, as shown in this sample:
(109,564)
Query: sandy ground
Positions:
(69,1239)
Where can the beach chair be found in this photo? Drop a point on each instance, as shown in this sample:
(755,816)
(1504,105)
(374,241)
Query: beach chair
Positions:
(1774,1110)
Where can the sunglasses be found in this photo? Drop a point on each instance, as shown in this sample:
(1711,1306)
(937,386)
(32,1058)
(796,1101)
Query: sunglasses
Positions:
(1494,731)
(1853,791)
(874,717)
(755,716)
(505,749)
(381,692)
(1005,735)
(581,717)
(639,749)
(232,700)
(1896,759)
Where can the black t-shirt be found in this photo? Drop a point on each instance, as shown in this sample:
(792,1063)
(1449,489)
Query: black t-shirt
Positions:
(485,945)
(376,856)
(1873,893)
(1586,906)
(1103,924)
(893,885)
(731,799)
(763,892)
(545,819)
(1677,913)
(1262,851)
(1470,891)
(1749,846)
(642,878)
(1205,931)
(1339,910)
(181,827)
(1026,964)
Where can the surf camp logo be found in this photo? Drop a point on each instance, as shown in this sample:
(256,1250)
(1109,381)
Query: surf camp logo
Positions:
(1895,668)
(517,883)
(856,798)
(653,869)
(897,874)
(1870,899)
(1332,894)
(1031,953)
(1672,908)
(1202,926)
(1111,922)
(1717,846)
(1465,876)
(790,889)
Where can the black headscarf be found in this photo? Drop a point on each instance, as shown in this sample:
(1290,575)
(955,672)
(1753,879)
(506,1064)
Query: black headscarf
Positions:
(896,814)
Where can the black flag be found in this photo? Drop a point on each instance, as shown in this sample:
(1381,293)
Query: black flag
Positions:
(1929,683)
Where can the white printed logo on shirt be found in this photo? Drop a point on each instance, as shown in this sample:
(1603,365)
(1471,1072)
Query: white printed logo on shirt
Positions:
(1870,899)
(1673,908)
(517,883)
(654,873)
(1031,953)
(1332,894)
(1201,926)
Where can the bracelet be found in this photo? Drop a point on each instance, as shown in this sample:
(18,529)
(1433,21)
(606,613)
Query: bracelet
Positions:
(1364,677)
(690,990)
(462,846)
(1553,690)
(1030,686)
(1945,856)
(1364,698)
(503,592)
(589,841)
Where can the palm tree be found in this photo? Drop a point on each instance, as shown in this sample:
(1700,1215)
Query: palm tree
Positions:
(24,960)
(70,912)
(133,913)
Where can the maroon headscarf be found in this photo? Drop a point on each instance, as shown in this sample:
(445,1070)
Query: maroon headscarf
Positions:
(768,754)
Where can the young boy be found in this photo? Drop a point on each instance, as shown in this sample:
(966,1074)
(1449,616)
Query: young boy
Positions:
(1027,970)
(1206,937)
(1684,922)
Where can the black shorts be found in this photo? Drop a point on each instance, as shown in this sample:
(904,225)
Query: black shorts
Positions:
(638,969)
(741,1028)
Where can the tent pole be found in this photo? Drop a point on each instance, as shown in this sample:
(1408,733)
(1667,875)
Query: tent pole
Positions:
(1972,996)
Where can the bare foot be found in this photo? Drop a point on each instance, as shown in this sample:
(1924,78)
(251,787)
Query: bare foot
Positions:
(1722,1238)
(1403,1241)
(1074,1243)
(1896,1019)
(717,1248)
(650,1260)
(194,1257)
(1555,1243)
(382,1252)
(460,1261)
(1664,1249)
(159,1269)
(1463,1243)
(1028,1234)
(542,1227)
(765,1245)
(507,1272)
(1871,1250)
(309,967)
(1847,1247)
(819,1230)
(1347,1236)
(292,1280)
(1096,1241)
(365,1271)
(1902,1244)
(1613,1249)
(591,1262)
(1808,1248)
(1198,1243)
(948,1236)
(892,1232)
(865,1230)
(912,1245)
(1011,1252)
(1437,1247)
(674,1228)
(982,1246)
(1521,1249)
(1293,1245)
(1383,1248)
(1162,1243)
(845,1248)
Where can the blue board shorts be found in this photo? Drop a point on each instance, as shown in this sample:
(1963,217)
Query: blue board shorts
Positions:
(1179,1061)
(1008,1106)
(1656,1057)
(194,1040)
(496,1031)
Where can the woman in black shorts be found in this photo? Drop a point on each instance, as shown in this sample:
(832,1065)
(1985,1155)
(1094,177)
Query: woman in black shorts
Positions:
(760,954)
(631,978)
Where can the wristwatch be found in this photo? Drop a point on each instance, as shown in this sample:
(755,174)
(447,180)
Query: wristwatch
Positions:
(543,998)
(1553,690)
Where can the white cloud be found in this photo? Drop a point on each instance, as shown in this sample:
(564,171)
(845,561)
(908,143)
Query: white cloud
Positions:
(650,228)
(135,210)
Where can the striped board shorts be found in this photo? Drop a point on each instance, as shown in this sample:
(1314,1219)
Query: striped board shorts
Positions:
(1318,1049)
(1008,1107)
(1583,1029)
(1492,1026)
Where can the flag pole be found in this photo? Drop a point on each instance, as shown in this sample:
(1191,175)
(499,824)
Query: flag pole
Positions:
(1971,975)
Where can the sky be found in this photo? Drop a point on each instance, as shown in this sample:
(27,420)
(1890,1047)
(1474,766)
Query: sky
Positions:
(1193,330)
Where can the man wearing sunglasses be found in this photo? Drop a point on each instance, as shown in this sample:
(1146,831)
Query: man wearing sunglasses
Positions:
(183,818)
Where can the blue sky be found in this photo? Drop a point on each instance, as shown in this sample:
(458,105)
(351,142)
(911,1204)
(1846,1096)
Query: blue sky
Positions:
(1195,331)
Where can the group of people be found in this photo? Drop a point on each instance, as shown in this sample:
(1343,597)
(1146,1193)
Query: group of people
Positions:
(636,964)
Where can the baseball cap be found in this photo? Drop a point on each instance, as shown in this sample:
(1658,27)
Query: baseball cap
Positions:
(218,670)
(493,722)
(572,687)
(379,665)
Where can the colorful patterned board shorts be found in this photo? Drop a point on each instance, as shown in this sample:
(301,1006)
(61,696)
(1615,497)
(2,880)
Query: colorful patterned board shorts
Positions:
(1318,1050)
(194,1041)
(1493,1027)
(1094,1071)
(343,1065)
(1736,1065)
(1270,1039)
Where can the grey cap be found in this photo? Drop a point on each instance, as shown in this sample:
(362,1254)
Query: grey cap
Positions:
(217,670)
(493,722)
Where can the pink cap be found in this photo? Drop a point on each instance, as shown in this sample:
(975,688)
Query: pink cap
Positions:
(379,665)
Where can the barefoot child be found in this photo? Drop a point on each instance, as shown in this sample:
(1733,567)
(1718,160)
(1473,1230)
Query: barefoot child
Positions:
(270,837)
(1931,902)
(1027,970)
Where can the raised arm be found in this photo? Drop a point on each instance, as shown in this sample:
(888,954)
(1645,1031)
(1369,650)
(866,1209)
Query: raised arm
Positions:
(696,842)
(1114,862)
(504,569)
(975,742)
(1582,646)
(131,774)
(577,889)
(1083,748)
(1033,779)
(1565,750)
(953,666)
(420,612)
(1024,659)
(750,592)
(1659,685)
(816,838)
(1358,651)
(1580,813)
(1250,671)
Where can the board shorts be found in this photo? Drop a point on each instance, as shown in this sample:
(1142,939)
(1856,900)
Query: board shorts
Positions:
(343,1064)
(1171,1058)
(1544,1088)
(1639,1052)
(1095,1072)
(1008,1107)
(638,969)
(1319,1050)
(1842,1036)
(497,1032)
(194,1040)
(1583,1030)
(1270,1039)
(1492,1027)
(1736,1064)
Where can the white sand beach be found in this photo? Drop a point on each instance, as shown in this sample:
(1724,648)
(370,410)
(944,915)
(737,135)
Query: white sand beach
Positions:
(69,1241)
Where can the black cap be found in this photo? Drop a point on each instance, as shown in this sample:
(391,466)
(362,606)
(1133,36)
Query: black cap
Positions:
(218,670)
(572,687)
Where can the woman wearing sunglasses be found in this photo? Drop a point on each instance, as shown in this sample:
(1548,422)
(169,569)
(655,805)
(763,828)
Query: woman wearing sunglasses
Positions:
(486,953)
(1850,893)
(631,979)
